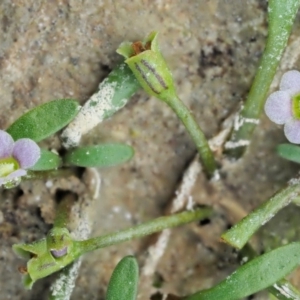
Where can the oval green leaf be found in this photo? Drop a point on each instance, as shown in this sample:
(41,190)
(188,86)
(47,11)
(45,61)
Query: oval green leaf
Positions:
(99,156)
(47,161)
(289,151)
(44,120)
(124,280)
(254,276)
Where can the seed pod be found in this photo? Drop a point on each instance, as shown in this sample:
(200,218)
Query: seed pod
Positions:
(148,65)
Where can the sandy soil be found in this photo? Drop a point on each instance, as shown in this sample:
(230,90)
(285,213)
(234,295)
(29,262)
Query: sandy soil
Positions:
(63,49)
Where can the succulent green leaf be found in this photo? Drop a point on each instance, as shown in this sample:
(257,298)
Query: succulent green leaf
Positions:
(47,161)
(284,290)
(44,120)
(289,151)
(99,156)
(124,280)
(240,233)
(255,275)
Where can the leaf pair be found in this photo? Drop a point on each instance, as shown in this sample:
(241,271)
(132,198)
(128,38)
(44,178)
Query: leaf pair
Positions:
(46,119)
(42,122)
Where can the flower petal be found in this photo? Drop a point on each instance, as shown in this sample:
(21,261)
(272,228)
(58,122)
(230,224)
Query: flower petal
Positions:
(26,152)
(13,175)
(278,107)
(59,252)
(292,131)
(290,80)
(6,144)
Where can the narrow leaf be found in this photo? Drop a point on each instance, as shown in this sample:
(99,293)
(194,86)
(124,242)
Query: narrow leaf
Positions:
(240,233)
(289,151)
(282,289)
(255,275)
(47,161)
(124,280)
(99,156)
(44,120)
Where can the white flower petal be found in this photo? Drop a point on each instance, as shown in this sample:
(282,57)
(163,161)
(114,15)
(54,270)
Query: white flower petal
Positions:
(292,92)
(278,107)
(26,152)
(290,80)
(13,176)
(6,144)
(292,131)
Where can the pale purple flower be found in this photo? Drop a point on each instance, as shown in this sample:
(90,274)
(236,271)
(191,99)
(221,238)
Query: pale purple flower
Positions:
(283,106)
(16,157)
(59,252)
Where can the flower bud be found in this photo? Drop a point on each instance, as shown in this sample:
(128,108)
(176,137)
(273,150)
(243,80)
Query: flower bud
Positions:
(58,242)
(46,256)
(148,65)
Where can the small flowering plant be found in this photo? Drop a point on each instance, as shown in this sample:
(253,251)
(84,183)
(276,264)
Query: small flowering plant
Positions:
(266,271)
(22,158)
(283,106)
(16,157)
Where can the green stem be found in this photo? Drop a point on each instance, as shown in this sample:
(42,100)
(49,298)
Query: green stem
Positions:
(281,15)
(240,233)
(141,230)
(63,172)
(154,76)
(63,211)
(196,134)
